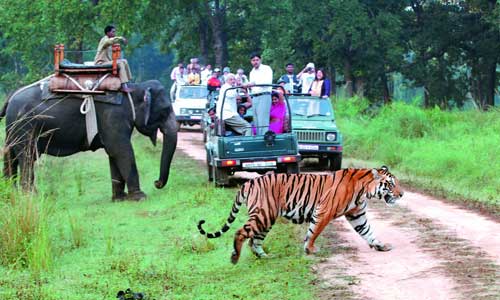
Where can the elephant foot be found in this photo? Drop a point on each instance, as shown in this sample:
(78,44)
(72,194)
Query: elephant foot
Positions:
(120,196)
(136,196)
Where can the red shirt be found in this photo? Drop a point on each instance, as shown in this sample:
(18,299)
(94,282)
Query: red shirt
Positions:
(213,81)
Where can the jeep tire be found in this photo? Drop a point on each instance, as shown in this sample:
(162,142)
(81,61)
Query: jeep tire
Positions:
(221,176)
(293,168)
(210,169)
(335,161)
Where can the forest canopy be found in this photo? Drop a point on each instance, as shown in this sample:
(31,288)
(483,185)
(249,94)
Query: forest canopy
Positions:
(451,49)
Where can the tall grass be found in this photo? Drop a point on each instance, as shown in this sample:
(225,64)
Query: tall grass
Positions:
(451,152)
(24,240)
(99,247)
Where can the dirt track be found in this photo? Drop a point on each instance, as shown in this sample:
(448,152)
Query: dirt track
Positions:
(440,251)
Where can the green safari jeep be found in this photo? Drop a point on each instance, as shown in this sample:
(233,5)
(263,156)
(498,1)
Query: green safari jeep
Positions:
(228,152)
(317,134)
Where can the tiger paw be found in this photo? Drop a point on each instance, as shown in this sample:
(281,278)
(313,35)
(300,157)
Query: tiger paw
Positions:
(234,258)
(382,247)
(258,251)
(311,250)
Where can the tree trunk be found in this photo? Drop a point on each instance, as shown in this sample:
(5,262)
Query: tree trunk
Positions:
(385,89)
(204,40)
(348,78)
(359,86)
(490,85)
(217,19)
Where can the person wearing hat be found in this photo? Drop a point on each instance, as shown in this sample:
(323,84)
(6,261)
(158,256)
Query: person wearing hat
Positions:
(306,77)
(260,74)
(225,72)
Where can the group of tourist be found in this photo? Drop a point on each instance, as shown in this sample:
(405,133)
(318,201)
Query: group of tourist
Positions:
(268,104)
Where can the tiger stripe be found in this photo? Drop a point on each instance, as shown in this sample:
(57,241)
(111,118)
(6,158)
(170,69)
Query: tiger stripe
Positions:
(313,198)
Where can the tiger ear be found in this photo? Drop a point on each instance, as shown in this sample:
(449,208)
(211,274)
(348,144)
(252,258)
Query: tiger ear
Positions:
(375,173)
(385,168)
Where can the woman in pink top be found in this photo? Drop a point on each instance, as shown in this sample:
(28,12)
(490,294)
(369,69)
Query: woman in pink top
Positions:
(277,115)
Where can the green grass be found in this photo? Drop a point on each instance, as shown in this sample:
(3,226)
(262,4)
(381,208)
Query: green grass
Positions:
(83,246)
(453,154)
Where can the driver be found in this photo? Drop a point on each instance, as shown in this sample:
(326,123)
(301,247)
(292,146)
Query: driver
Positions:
(230,110)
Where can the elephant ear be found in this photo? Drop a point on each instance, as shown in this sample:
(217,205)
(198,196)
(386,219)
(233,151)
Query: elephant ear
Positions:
(147,105)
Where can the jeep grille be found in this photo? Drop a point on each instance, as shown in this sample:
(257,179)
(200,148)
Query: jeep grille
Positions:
(310,136)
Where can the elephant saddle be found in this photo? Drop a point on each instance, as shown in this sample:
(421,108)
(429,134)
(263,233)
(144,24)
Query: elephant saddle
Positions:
(83,78)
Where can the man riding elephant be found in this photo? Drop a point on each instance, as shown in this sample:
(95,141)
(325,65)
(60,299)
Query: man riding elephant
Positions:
(104,55)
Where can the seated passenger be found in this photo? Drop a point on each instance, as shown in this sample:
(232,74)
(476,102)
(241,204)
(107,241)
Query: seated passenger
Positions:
(320,87)
(277,114)
(227,104)
(104,55)
(213,82)
(193,77)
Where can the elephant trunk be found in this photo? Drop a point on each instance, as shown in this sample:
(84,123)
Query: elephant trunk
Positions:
(167,153)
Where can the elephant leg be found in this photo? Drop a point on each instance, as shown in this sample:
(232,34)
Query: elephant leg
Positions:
(117,182)
(124,160)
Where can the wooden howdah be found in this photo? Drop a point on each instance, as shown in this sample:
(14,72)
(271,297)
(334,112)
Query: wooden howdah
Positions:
(110,83)
(86,76)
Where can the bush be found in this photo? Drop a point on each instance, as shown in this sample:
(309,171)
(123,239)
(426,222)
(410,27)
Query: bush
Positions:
(453,151)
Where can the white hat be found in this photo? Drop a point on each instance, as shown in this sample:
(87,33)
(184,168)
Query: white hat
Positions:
(310,65)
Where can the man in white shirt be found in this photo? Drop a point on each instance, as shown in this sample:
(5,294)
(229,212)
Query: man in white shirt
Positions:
(206,73)
(261,74)
(230,109)
(177,76)
(306,77)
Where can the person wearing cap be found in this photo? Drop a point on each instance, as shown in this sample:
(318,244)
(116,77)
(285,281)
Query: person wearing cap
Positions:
(241,78)
(290,79)
(306,77)
(227,105)
(225,72)
(260,74)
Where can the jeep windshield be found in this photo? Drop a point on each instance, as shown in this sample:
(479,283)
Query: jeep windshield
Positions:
(193,92)
(310,107)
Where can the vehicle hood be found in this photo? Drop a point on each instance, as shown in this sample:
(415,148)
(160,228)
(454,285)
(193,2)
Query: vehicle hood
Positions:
(317,124)
(191,103)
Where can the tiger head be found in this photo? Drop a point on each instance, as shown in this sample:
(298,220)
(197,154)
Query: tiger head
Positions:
(388,187)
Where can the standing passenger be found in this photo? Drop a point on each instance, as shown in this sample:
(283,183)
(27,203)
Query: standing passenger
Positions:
(261,74)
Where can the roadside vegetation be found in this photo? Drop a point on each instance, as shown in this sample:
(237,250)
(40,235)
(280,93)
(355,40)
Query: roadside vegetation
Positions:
(449,153)
(70,241)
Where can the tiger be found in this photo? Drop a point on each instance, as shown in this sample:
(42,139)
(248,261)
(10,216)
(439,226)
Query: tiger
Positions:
(313,198)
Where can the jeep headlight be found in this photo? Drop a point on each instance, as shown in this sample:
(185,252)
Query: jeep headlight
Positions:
(331,136)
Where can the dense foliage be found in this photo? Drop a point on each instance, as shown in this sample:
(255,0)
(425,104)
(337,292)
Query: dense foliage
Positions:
(450,48)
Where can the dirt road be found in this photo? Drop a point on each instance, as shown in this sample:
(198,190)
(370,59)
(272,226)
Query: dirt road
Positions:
(440,251)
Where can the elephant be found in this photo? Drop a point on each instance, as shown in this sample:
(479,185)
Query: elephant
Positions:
(36,125)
